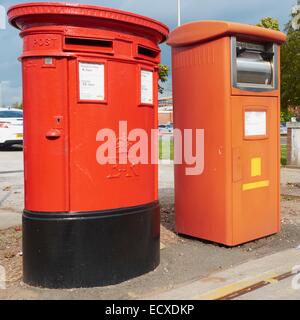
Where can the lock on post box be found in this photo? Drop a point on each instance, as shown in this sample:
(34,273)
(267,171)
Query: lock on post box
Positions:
(226,81)
(86,68)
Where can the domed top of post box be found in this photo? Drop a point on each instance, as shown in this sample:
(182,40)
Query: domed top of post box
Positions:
(202,31)
(27,15)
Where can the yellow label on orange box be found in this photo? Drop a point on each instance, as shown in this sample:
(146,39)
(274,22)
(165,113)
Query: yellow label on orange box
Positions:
(256,185)
(256,167)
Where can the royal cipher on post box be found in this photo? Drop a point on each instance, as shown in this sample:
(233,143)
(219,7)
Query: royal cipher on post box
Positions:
(86,68)
(226,81)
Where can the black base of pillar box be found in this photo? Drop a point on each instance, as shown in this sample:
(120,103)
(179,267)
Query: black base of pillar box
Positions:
(90,249)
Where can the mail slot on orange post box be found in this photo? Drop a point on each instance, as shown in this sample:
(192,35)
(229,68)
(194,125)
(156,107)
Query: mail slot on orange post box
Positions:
(226,81)
(87,68)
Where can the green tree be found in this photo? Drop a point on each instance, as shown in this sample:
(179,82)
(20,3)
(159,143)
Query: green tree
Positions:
(285,116)
(290,67)
(17,105)
(290,71)
(163,76)
(269,23)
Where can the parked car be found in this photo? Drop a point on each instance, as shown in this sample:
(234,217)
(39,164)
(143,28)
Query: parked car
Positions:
(283,128)
(165,128)
(11,126)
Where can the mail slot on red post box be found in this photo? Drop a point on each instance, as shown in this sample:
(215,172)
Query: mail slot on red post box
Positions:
(226,81)
(87,68)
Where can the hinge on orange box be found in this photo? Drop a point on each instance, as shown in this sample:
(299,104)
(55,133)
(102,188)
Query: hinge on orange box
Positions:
(236,165)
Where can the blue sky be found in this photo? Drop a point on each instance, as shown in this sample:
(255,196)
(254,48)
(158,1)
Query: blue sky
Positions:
(245,11)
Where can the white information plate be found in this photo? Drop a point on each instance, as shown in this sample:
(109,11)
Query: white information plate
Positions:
(146,87)
(255,123)
(91,81)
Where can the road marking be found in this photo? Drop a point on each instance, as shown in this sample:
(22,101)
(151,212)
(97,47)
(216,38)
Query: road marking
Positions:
(9,172)
(243,287)
(229,289)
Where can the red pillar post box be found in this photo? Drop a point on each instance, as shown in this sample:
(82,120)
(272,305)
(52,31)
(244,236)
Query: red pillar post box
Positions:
(86,68)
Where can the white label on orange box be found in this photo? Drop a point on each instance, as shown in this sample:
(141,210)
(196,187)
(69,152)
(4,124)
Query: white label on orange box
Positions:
(146,87)
(255,123)
(91,81)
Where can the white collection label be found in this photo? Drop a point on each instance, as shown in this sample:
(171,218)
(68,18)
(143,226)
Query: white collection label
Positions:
(146,87)
(255,123)
(91,81)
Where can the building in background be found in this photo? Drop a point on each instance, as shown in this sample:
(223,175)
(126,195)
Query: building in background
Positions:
(165,110)
(165,102)
(295,112)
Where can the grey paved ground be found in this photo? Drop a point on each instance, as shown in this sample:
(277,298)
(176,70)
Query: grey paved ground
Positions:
(246,275)
(9,219)
(11,192)
(290,182)
(11,159)
(11,187)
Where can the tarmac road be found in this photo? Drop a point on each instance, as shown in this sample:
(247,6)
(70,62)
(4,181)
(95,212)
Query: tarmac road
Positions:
(11,159)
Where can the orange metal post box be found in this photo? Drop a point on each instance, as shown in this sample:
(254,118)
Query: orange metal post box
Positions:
(85,68)
(226,81)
